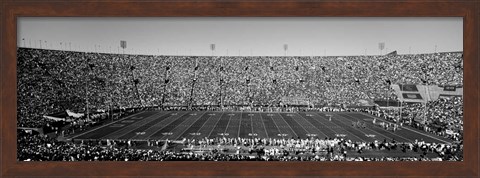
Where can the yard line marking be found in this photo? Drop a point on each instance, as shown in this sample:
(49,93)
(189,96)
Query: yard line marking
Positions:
(367,127)
(342,129)
(265,128)
(174,119)
(312,124)
(296,135)
(128,127)
(294,120)
(145,119)
(183,122)
(355,128)
(398,135)
(228,123)
(213,128)
(105,125)
(251,124)
(240,124)
(176,116)
(324,125)
(407,128)
(192,124)
(280,132)
(198,130)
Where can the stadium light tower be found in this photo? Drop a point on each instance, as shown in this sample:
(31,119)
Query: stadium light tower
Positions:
(123,45)
(212,47)
(381,46)
(165,82)
(110,82)
(285,49)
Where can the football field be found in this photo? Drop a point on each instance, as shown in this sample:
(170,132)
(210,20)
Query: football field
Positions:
(176,125)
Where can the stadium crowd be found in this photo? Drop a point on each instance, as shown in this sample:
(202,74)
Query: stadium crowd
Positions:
(52,81)
(33,147)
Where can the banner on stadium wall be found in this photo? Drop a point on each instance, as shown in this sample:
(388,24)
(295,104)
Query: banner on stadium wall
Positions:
(387,103)
(75,115)
(412,96)
(444,96)
(60,116)
(408,87)
(54,118)
(449,88)
(364,102)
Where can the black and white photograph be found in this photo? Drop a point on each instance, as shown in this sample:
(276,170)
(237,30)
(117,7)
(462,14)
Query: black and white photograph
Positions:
(240,89)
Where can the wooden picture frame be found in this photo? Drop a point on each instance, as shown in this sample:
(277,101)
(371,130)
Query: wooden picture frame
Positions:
(11,10)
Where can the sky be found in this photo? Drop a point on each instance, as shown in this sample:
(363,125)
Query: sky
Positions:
(244,36)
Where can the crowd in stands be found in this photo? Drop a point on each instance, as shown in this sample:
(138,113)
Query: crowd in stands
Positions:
(52,81)
(34,147)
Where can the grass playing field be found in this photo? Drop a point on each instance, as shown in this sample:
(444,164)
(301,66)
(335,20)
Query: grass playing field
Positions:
(176,125)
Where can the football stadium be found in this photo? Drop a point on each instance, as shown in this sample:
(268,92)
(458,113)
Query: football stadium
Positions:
(97,106)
